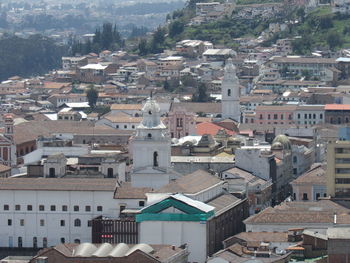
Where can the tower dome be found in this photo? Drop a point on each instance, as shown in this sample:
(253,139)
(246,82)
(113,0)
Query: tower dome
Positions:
(151,115)
(283,141)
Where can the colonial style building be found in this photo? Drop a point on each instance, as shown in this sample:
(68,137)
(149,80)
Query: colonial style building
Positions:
(151,150)
(230,93)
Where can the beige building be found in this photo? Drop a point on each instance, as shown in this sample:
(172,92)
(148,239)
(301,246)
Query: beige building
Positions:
(338,169)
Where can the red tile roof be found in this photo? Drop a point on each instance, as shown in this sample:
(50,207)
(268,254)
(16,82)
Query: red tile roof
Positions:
(337,107)
(211,128)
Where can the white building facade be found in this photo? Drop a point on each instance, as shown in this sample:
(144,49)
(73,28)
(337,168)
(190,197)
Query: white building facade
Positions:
(42,212)
(230,93)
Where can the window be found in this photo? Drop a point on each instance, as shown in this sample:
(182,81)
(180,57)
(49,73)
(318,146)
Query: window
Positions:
(305,196)
(110,172)
(64,208)
(321,116)
(44,242)
(261,117)
(133,126)
(35,242)
(42,222)
(229,92)
(141,203)
(77,241)
(62,223)
(53,208)
(63,240)
(21,222)
(99,208)
(87,208)
(298,115)
(295,159)
(275,116)
(41,208)
(17,207)
(9,222)
(268,116)
(89,223)
(121,208)
(318,195)
(6,207)
(77,222)
(52,172)
(314,116)
(305,116)
(29,207)
(149,136)
(20,242)
(125,126)
(155,159)
(281,116)
(117,126)
(76,208)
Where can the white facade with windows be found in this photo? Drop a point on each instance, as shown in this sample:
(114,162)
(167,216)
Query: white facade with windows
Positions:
(151,150)
(230,93)
(309,115)
(32,214)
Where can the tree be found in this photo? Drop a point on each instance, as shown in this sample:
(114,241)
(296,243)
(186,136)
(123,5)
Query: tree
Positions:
(92,96)
(176,28)
(143,49)
(334,39)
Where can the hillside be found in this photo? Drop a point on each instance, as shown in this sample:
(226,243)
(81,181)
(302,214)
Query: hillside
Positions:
(25,57)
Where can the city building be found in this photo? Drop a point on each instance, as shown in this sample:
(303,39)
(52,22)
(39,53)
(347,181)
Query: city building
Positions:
(338,169)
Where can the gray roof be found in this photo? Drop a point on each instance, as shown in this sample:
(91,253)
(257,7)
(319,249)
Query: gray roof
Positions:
(58,184)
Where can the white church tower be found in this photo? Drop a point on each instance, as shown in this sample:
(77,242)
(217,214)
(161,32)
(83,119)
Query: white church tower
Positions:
(151,149)
(230,93)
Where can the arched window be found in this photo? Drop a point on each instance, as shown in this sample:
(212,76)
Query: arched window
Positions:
(150,112)
(149,136)
(52,172)
(110,172)
(155,159)
(229,92)
(77,222)
(35,242)
(20,242)
(45,242)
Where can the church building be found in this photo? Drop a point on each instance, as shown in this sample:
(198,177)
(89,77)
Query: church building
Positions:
(230,93)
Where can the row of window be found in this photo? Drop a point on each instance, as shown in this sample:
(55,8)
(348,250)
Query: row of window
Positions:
(76,208)
(77,222)
(275,117)
(311,116)
(35,241)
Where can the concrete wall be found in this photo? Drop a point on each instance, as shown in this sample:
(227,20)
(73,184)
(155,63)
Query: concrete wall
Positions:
(177,233)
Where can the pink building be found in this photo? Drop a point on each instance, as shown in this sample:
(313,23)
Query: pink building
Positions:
(277,115)
(180,123)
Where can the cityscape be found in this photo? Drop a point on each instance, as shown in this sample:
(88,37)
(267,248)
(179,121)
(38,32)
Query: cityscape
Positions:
(175,132)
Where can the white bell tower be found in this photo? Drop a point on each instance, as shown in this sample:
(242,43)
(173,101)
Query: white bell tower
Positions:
(151,149)
(230,93)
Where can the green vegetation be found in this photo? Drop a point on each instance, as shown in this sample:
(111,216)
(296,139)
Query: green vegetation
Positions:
(106,39)
(321,29)
(35,55)
(92,96)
